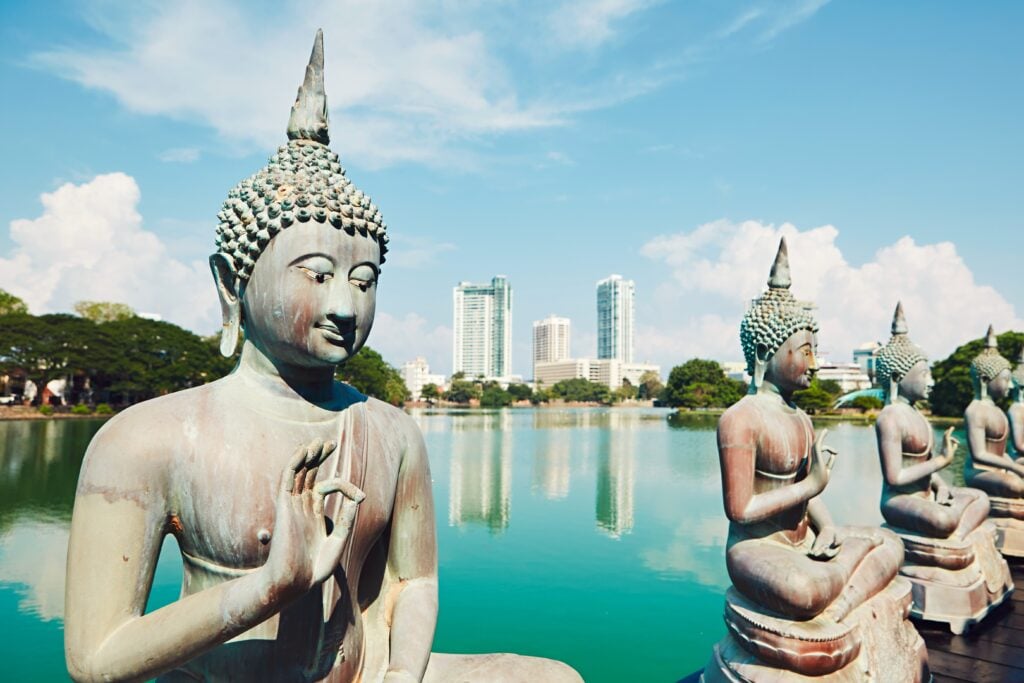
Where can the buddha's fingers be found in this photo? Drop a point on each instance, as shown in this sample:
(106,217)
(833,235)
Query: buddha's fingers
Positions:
(295,463)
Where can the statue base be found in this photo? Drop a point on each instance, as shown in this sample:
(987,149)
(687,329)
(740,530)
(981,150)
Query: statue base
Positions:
(875,642)
(957,582)
(1006,515)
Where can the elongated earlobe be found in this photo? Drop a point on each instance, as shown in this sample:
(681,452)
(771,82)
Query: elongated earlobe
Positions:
(230,306)
(760,362)
(894,389)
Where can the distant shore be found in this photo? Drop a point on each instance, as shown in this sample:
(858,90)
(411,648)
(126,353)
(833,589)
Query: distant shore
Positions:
(32,413)
(856,418)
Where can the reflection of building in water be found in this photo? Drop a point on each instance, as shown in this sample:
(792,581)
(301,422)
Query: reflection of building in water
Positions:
(615,478)
(551,464)
(480,488)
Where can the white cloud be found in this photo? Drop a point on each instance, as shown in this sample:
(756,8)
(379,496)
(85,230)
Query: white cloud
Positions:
(179,155)
(403,80)
(415,252)
(718,267)
(401,339)
(589,23)
(90,244)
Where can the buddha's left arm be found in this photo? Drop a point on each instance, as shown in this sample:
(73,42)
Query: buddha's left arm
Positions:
(412,563)
(819,515)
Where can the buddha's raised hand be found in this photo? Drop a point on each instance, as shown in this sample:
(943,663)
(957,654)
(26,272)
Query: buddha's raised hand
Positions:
(949,445)
(822,457)
(302,553)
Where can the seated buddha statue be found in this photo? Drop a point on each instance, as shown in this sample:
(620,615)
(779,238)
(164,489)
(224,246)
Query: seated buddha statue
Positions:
(303,509)
(1015,413)
(988,465)
(950,552)
(806,593)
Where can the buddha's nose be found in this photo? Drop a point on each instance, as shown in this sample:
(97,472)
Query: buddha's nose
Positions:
(341,307)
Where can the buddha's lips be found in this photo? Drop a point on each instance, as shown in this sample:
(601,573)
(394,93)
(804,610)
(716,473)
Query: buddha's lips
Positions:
(331,332)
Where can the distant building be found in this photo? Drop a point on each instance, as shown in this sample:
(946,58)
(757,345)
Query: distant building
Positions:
(736,370)
(866,356)
(607,371)
(483,328)
(615,319)
(849,376)
(550,341)
(416,375)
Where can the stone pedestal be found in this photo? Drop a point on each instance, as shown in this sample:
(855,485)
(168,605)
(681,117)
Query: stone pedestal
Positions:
(1006,514)
(955,581)
(876,642)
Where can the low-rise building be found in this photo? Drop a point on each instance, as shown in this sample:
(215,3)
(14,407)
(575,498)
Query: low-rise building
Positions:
(610,372)
(849,376)
(416,375)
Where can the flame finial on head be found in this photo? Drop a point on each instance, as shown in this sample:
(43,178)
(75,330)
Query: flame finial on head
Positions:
(779,276)
(899,322)
(991,342)
(308,120)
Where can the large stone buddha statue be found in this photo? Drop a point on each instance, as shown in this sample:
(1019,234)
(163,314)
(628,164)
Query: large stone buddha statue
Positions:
(809,598)
(950,554)
(988,466)
(303,509)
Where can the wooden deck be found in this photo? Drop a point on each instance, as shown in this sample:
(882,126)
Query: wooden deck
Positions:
(991,652)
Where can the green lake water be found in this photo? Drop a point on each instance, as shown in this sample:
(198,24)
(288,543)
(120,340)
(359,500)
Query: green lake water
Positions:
(594,536)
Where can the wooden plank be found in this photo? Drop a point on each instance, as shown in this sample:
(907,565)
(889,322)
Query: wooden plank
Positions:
(941,678)
(969,669)
(986,650)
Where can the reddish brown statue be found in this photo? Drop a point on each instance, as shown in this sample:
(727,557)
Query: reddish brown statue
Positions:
(810,600)
(951,557)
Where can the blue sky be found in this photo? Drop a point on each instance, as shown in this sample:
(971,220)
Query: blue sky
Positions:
(554,142)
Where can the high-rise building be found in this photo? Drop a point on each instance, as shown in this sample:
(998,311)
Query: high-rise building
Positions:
(483,328)
(550,341)
(615,319)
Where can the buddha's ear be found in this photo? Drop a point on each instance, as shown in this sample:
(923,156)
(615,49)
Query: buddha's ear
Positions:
(760,364)
(230,304)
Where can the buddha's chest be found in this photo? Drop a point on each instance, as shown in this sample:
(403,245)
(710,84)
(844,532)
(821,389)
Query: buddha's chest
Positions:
(917,438)
(223,510)
(784,444)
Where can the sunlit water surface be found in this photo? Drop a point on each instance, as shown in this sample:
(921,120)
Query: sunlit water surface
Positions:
(594,536)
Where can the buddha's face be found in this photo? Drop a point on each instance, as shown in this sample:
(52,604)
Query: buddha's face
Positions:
(312,295)
(793,366)
(999,386)
(917,384)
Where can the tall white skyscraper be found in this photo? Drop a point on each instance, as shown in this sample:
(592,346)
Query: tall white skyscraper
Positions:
(615,319)
(483,328)
(550,341)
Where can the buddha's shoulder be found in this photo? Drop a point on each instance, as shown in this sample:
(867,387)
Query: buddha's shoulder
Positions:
(392,424)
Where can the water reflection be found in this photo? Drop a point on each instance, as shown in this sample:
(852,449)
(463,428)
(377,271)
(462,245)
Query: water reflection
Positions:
(480,473)
(552,463)
(615,476)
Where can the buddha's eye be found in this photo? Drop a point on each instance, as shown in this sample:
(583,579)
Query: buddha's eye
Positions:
(319,276)
(363,277)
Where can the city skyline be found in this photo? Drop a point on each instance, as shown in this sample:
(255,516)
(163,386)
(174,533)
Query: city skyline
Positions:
(675,142)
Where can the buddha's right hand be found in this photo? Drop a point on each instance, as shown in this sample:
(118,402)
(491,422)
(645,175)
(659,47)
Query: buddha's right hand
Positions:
(302,553)
(822,458)
(949,446)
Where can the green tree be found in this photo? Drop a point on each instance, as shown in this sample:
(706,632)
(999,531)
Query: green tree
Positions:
(368,372)
(494,396)
(462,390)
(520,392)
(11,305)
(700,383)
(430,392)
(650,386)
(953,389)
(867,403)
(831,386)
(103,311)
(627,392)
(813,399)
(581,390)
